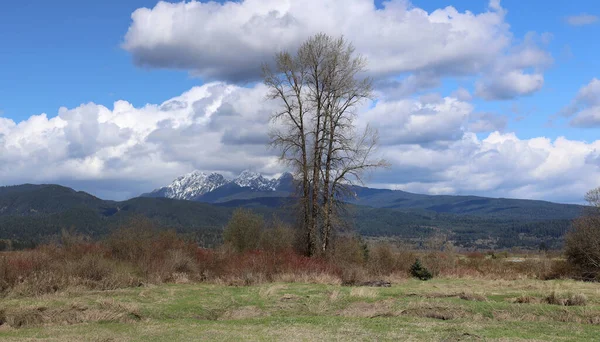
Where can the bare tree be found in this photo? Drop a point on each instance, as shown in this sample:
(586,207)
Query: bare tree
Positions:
(319,89)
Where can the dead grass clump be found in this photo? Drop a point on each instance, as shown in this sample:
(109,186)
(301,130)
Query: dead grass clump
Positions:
(352,275)
(382,308)
(577,300)
(566,300)
(441,313)
(363,292)
(271,290)
(72,314)
(474,297)
(244,312)
(309,278)
(40,283)
(524,299)
(334,295)
(288,297)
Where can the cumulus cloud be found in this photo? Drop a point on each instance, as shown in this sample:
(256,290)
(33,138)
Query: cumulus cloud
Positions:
(430,141)
(581,19)
(499,165)
(462,94)
(215,127)
(585,107)
(230,40)
(487,122)
(428,120)
(509,76)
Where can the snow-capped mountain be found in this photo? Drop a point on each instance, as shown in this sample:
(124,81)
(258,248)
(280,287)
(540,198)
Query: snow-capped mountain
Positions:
(191,185)
(255,181)
(194,185)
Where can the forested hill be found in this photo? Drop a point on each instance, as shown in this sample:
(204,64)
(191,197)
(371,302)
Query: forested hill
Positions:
(30,214)
(252,187)
(501,208)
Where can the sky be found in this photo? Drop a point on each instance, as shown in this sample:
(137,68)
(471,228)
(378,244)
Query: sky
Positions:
(492,98)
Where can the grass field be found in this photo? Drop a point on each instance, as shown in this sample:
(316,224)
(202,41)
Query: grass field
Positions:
(437,310)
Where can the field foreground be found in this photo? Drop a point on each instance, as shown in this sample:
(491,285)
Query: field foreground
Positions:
(437,310)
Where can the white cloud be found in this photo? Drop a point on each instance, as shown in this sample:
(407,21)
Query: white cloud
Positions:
(430,142)
(487,122)
(509,76)
(581,19)
(94,147)
(462,94)
(499,165)
(425,121)
(230,40)
(505,86)
(585,107)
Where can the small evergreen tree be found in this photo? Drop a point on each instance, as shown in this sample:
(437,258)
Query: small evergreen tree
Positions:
(420,272)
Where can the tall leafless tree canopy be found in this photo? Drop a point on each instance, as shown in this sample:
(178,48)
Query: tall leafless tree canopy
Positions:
(319,88)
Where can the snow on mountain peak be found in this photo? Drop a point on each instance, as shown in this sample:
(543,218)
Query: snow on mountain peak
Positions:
(255,181)
(198,183)
(194,184)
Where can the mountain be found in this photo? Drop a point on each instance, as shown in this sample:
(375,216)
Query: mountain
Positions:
(190,186)
(214,187)
(255,181)
(250,189)
(465,205)
(31,214)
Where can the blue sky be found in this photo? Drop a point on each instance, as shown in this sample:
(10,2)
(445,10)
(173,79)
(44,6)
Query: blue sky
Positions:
(66,53)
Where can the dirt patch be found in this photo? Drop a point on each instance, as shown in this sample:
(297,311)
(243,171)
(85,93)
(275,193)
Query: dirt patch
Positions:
(244,312)
(369,310)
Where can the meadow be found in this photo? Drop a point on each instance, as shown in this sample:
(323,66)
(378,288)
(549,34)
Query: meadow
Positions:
(443,309)
(145,285)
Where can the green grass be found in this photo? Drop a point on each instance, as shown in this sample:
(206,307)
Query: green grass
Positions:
(409,310)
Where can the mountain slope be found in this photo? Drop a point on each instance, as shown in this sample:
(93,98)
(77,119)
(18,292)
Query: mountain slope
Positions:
(190,186)
(466,205)
(251,188)
(35,213)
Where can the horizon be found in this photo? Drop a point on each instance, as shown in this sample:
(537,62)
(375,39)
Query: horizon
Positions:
(582,203)
(118,99)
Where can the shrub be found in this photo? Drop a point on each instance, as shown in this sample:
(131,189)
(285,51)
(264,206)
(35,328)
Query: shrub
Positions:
(420,272)
(582,246)
(243,231)
(278,237)
(382,260)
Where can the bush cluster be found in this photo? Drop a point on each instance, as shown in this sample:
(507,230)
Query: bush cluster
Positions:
(139,254)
